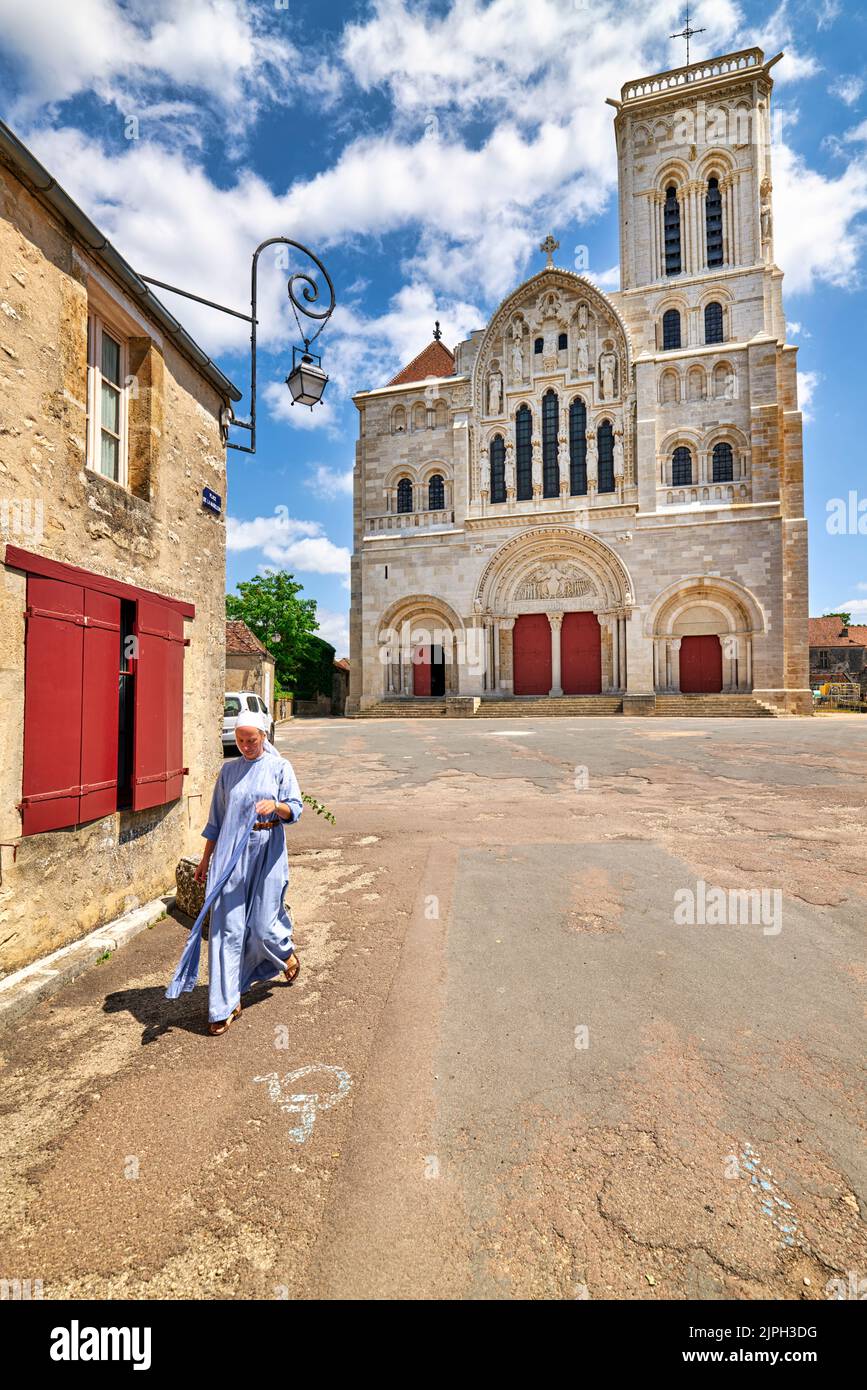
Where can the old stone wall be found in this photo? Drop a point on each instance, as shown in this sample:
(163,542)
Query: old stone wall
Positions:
(153,533)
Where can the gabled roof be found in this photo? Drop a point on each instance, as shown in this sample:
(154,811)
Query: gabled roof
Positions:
(829,632)
(434,360)
(239,638)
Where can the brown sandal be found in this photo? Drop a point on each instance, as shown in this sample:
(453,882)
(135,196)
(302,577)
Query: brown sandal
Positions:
(215,1029)
(293,976)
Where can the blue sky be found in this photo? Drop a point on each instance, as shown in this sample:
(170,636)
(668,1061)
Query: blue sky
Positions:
(423,150)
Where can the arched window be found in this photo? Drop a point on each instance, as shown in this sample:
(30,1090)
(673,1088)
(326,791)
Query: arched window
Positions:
(713,225)
(578,448)
(681,467)
(550,426)
(497,455)
(398,419)
(538,344)
(723,463)
(436,494)
(562,342)
(524,453)
(404,495)
(670,329)
(671,224)
(713,323)
(605,453)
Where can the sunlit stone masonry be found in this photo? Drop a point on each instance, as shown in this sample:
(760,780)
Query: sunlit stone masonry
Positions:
(601,494)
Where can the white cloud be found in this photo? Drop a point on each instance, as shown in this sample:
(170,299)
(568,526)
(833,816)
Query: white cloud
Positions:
(816,233)
(329,483)
(829,10)
(848,89)
(223,50)
(807,383)
(289,543)
(855,606)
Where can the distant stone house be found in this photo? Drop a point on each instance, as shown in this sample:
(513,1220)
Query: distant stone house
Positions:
(837,652)
(340,690)
(112,604)
(249,664)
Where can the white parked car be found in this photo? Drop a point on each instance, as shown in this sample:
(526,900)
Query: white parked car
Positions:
(233,702)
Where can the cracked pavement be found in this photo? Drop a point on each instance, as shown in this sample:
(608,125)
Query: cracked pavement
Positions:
(506,1071)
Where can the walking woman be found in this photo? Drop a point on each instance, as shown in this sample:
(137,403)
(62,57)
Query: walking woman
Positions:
(247,869)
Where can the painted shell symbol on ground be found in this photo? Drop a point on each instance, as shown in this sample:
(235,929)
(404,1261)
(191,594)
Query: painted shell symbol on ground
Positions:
(304,1103)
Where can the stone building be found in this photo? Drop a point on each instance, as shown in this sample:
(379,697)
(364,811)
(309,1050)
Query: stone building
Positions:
(112,604)
(601,494)
(249,664)
(838,653)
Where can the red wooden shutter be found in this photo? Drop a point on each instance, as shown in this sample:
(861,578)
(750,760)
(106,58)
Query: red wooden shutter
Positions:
(158,771)
(54,651)
(100,709)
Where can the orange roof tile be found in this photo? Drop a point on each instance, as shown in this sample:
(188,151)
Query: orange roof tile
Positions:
(434,360)
(827,632)
(239,638)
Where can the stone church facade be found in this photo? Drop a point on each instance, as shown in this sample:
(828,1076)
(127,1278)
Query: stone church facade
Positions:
(601,494)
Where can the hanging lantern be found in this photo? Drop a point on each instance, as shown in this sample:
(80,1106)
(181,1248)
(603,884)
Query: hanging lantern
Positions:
(306,380)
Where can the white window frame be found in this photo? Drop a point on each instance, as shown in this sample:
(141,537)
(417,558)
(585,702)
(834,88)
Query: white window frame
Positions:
(96,326)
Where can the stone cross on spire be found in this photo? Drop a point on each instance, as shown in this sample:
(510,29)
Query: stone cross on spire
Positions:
(549,246)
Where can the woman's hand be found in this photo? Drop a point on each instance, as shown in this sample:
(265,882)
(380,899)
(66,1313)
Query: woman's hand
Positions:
(202,870)
(266,808)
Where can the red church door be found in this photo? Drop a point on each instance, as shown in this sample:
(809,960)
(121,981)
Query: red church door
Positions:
(700,665)
(531,640)
(421,669)
(581,654)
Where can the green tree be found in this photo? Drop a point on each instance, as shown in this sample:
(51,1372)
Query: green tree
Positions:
(845,618)
(283,622)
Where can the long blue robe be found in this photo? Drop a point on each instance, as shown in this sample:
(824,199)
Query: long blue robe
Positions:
(251,932)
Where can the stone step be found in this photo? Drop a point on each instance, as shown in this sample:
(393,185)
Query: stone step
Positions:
(713,706)
(562,706)
(569,706)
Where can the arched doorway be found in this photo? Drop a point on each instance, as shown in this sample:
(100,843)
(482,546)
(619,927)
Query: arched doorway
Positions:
(532,654)
(701,670)
(703,630)
(581,654)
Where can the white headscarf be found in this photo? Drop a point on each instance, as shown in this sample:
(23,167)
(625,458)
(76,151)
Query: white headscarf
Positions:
(255,719)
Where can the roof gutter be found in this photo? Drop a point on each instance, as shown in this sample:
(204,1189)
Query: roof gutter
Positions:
(23,162)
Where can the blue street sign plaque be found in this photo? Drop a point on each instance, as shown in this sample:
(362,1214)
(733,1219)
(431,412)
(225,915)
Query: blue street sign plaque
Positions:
(212,500)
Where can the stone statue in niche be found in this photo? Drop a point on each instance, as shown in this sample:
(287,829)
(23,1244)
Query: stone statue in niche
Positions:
(537,466)
(608,375)
(495,393)
(592,459)
(767,218)
(618,454)
(582,354)
(550,337)
(517,352)
(730,388)
(510,467)
(582,318)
